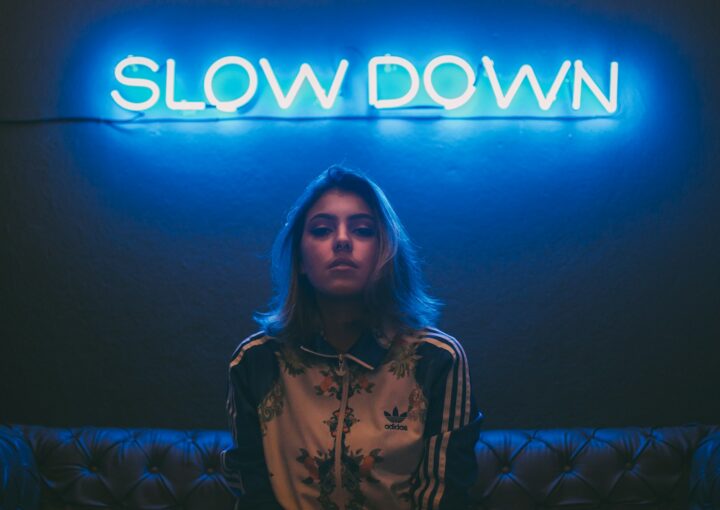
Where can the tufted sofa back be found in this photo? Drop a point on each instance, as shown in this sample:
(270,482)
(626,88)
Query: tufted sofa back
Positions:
(569,469)
(149,469)
(605,469)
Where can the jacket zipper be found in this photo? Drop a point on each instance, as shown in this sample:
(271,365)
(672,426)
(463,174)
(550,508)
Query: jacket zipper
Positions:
(342,370)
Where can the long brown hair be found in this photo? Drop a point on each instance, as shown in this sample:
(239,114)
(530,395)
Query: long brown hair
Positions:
(396,296)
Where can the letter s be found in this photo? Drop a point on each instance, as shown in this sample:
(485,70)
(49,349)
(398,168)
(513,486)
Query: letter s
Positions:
(136,82)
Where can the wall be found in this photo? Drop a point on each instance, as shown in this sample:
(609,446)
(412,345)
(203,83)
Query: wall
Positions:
(577,257)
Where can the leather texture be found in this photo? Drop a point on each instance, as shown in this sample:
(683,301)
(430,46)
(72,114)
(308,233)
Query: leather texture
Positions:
(149,469)
(568,469)
(19,480)
(705,474)
(618,469)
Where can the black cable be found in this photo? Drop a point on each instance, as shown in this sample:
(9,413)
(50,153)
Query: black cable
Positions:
(141,119)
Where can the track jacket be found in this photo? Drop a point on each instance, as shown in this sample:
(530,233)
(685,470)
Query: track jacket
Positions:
(389,424)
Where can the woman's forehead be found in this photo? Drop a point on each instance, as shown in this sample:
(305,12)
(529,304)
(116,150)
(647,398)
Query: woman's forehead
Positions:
(340,203)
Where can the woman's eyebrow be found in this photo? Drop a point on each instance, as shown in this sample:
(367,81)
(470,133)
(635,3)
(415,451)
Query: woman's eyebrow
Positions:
(358,216)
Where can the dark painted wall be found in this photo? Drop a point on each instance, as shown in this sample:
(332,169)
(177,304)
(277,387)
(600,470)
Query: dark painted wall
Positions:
(578,259)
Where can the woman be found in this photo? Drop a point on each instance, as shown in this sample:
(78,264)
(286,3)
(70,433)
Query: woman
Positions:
(347,398)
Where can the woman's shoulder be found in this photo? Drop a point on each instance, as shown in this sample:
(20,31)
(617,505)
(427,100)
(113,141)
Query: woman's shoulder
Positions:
(434,340)
(257,346)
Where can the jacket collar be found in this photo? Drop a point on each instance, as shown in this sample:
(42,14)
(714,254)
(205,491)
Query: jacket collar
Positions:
(368,352)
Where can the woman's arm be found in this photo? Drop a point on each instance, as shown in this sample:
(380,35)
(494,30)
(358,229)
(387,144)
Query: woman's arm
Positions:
(244,463)
(448,467)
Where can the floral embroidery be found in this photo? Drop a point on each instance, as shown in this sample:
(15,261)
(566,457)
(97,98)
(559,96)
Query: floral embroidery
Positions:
(403,359)
(417,405)
(363,384)
(313,465)
(349,421)
(320,471)
(356,468)
(332,382)
(367,463)
(271,406)
(290,361)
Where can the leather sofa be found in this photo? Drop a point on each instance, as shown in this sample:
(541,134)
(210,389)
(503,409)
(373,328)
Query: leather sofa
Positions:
(569,469)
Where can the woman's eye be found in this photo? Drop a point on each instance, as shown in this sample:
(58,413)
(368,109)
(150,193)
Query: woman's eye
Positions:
(319,231)
(365,231)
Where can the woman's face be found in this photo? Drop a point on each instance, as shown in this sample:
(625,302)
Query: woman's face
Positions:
(339,245)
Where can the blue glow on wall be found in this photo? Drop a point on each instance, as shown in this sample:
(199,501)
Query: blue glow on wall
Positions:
(172,157)
(542,39)
(577,254)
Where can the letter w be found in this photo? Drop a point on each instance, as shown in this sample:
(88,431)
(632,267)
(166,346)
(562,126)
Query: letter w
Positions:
(526,71)
(306,73)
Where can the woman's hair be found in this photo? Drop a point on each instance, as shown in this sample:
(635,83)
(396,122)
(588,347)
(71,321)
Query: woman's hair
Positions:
(395,296)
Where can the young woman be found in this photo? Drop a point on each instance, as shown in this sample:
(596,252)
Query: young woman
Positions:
(348,398)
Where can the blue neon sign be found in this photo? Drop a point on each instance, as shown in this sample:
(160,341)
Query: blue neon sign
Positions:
(234,84)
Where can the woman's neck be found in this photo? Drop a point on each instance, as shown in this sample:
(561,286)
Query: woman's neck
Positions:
(343,320)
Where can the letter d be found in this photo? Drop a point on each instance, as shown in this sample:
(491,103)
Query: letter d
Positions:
(372,82)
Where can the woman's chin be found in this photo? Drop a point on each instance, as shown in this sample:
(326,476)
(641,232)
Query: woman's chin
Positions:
(342,292)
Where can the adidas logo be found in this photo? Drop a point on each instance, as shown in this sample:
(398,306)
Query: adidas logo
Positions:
(395,420)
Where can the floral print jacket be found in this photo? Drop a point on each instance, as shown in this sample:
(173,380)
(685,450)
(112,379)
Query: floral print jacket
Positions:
(389,424)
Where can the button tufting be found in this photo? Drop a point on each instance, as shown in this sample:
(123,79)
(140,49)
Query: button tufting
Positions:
(628,465)
(210,471)
(567,468)
(94,469)
(154,469)
(505,469)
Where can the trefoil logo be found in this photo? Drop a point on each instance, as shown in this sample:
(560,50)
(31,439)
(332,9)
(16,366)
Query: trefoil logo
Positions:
(395,419)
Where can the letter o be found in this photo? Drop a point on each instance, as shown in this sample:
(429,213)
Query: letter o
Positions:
(230,106)
(449,103)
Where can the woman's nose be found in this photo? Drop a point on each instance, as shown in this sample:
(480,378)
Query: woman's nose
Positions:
(342,241)
(343,246)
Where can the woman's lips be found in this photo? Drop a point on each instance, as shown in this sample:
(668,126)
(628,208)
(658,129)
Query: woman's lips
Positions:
(343,263)
(342,267)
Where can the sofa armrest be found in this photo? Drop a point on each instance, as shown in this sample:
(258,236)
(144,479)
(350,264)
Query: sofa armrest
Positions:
(19,480)
(705,473)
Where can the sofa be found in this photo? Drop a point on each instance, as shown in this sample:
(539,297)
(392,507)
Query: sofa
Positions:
(570,469)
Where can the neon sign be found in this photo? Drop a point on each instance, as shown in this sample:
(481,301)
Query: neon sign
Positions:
(142,76)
